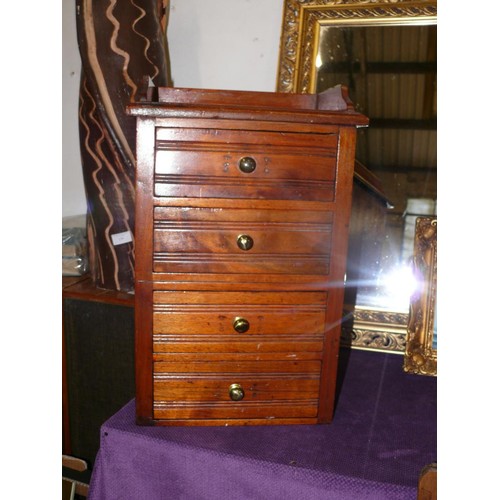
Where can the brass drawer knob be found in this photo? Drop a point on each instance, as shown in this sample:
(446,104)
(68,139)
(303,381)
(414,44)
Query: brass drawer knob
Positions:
(247,164)
(244,242)
(241,325)
(236,392)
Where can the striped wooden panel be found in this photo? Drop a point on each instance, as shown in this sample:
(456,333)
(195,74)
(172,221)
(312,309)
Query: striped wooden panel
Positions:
(120,42)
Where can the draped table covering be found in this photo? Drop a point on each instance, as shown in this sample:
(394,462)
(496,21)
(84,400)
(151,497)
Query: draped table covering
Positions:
(382,435)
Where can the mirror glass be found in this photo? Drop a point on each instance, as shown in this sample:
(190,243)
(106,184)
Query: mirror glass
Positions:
(390,71)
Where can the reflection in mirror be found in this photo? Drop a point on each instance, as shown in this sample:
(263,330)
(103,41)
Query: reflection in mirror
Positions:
(391,75)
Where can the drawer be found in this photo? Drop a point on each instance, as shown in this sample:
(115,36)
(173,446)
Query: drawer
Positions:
(245,164)
(237,316)
(215,240)
(213,390)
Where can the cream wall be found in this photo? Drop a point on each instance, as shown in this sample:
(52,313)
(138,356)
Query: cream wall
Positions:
(73,195)
(226,44)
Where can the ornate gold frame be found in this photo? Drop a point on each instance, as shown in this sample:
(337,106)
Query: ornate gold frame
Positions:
(370,329)
(303,18)
(421,356)
(375,329)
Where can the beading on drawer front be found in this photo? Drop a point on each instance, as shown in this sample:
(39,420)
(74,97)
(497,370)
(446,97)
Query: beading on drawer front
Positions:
(222,187)
(214,213)
(317,137)
(266,264)
(174,347)
(315,299)
(259,411)
(202,370)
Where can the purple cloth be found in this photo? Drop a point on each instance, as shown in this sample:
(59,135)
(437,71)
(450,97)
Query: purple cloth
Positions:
(382,435)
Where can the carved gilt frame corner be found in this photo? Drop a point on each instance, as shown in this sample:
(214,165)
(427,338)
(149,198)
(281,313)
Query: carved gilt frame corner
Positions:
(375,329)
(421,356)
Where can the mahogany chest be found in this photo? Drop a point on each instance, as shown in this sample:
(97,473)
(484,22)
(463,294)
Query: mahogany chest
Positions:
(242,212)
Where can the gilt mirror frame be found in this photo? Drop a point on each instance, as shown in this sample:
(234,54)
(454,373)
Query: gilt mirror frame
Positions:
(371,328)
(421,345)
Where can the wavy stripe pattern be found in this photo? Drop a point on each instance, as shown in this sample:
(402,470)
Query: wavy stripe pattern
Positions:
(120,42)
(147,43)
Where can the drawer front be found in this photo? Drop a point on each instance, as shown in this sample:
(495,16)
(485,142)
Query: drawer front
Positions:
(212,240)
(237,316)
(245,164)
(248,326)
(236,389)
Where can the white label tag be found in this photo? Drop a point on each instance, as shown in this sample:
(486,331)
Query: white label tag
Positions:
(121,238)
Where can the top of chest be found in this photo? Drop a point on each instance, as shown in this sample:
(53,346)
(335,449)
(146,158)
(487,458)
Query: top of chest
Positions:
(328,108)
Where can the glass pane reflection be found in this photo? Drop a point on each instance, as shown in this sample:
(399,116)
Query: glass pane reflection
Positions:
(391,75)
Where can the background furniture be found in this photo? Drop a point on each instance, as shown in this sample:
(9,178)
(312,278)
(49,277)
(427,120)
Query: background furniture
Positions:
(383,434)
(427,484)
(98,361)
(74,481)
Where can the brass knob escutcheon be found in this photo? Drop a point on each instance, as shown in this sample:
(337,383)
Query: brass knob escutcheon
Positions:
(241,325)
(236,392)
(247,164)
(244,242)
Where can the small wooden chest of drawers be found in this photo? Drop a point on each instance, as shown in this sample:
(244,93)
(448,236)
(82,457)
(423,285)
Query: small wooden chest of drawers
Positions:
(242,213)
